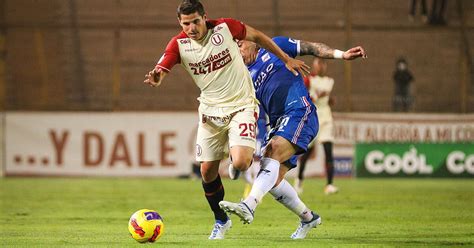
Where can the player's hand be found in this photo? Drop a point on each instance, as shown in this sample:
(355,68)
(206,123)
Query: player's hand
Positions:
(355,52)
(297,66)
(153,78)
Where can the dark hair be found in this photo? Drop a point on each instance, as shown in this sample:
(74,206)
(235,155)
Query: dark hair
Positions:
(401,60)
(188,7)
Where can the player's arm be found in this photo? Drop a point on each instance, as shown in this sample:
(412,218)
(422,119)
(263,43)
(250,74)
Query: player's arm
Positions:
(170,58)
(264,41)
(322,50)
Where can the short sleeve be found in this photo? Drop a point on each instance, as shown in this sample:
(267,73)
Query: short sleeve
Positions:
(288,45)
(170,57)
(237,28)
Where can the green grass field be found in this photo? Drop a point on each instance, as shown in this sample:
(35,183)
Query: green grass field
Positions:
(94,212)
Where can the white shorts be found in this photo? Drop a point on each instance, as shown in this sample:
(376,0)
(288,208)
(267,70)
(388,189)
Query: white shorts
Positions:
(216,134)
(326,132)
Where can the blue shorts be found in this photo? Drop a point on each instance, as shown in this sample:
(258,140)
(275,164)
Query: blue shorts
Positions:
(299,126)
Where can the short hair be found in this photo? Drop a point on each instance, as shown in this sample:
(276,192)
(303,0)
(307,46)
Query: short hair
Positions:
(190,6)
(401,60)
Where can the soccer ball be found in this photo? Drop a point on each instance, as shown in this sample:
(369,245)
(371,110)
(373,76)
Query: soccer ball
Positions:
(146,225)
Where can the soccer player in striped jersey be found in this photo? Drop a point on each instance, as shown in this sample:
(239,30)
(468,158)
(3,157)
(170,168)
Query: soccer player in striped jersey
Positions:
(293,122)
(228,108)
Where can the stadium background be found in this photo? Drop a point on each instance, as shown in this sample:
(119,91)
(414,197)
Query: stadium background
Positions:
(77,57)
(71,71)
(92,55)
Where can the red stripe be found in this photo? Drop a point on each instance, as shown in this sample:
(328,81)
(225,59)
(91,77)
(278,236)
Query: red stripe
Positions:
(305,101)
(156,233)
(138,229)
(213,193)
(301,124)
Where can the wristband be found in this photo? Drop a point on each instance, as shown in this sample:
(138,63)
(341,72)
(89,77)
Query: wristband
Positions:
(338,54)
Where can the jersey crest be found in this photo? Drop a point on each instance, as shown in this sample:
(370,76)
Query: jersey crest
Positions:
(217,39)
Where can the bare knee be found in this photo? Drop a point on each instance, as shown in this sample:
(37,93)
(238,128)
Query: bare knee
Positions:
(280,149)
(208,176)
(242,163)
(209,171)
(242,157)
(271,150)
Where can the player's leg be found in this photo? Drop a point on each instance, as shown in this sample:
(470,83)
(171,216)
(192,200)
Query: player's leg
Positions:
(250,174)
(326,138)
(214,192)
(288,197)
(213,188)
(329,164)
(242,158)
(242,140)
(210,149)
(249,177)
(278,149)
(303,160)
(291,133)
(298,185)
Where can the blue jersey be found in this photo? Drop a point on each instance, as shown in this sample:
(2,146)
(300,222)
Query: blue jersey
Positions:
(274,83)
(284,97)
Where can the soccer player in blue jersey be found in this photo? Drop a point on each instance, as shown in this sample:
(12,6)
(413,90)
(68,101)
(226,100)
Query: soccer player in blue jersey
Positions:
(293,123)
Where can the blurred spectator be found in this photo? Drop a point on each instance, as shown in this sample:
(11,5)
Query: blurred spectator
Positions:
(424,17)
(402,77)
(437,12)
(319,87)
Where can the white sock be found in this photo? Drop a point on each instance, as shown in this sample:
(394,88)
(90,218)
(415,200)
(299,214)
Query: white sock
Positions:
(285,194)
(251,173)
(266,179)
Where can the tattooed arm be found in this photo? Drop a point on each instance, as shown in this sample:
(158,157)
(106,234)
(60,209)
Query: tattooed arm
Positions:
(322,50)
(316,49)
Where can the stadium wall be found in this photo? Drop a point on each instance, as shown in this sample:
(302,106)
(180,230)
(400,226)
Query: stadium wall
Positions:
(92,55)
(161,144)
